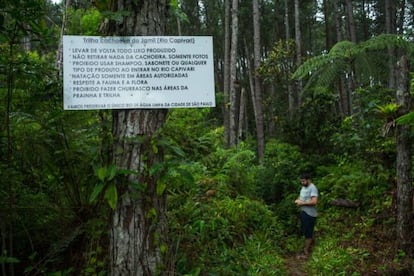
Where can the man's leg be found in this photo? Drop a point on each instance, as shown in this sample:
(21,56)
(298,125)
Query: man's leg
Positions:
(308,225)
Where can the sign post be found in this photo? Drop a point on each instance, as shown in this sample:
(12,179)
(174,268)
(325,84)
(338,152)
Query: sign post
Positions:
(137,72)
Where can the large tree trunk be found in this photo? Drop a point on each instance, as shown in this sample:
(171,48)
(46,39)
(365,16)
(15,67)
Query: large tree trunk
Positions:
(258,98)
(139,226)
(405,236)
(233,141)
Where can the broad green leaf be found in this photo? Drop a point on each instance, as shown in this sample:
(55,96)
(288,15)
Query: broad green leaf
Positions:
(406,119)
(111,172)
(101,173)
(96,191)
(161,186)
(111,195)
(155,148)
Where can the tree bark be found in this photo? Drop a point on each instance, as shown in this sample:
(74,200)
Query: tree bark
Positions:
(404,177)
(298,40)
(350,21)
(59,53)
(242,113)
(258,98)
(391,29)
(138,241)
(338,25)
(226,72)
(233,74)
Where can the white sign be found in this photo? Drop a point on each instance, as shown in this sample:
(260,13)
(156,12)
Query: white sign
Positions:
(137,72)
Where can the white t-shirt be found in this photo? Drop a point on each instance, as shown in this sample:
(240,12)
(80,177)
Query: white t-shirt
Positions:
(306,193)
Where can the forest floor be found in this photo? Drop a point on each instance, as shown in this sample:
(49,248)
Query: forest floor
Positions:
(295,266)
(374,242)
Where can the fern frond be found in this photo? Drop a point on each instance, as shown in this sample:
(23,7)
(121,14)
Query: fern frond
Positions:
(384,41)
(311,65)
(344,49)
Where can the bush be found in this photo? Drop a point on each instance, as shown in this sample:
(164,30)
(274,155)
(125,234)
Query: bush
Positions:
(354,182)
(279,175)
(211,233)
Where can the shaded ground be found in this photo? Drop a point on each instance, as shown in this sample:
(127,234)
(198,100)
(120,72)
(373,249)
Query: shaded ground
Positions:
(295,266)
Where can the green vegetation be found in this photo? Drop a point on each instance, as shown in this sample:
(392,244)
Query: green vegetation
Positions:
(227,213)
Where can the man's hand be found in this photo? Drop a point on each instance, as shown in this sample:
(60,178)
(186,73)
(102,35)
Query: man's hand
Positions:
(298,202)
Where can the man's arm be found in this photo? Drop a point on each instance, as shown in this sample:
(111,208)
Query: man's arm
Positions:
(312,202)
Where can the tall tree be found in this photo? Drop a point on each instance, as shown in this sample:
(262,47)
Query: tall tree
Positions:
(350,21)
(257,93)
(139,226)
(291,96)
(233,88)
(226,71)
(298,40)
(404,178)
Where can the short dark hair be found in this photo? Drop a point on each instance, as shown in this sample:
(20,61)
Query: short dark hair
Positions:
(305,176)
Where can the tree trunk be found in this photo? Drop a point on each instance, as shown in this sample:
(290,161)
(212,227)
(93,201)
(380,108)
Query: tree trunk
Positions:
(226,73)
(291,96)
(326,14)
(298,40)
(338,25)
(233,74)
(350,21)
(404,179)
(258,98)
(390,29)
(242,113)
(139,226)
(59,53)
(344,103)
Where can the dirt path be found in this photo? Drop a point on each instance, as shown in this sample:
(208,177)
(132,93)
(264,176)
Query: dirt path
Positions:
(295,266)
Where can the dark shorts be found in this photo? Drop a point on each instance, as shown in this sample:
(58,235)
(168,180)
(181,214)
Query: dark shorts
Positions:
(308,224)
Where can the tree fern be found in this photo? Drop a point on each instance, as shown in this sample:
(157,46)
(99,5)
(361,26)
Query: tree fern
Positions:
(362,60)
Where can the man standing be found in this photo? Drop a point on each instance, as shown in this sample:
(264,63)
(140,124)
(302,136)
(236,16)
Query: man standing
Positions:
(308,198)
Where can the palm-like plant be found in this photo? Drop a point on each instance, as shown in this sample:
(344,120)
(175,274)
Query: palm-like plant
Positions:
(366,61)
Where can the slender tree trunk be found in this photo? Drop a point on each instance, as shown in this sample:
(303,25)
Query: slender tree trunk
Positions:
(11,196)
(258,98)
(226,72)
(242,113)
(344,104)
(287,26)
(326,15)
(298,39)
(291,96)
(338,25)
(405,229)
(233,74)
(350,21)
(390,29)
(139,225)
(59,53)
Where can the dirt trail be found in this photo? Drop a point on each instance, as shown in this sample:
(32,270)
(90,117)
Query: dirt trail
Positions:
(295,266)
